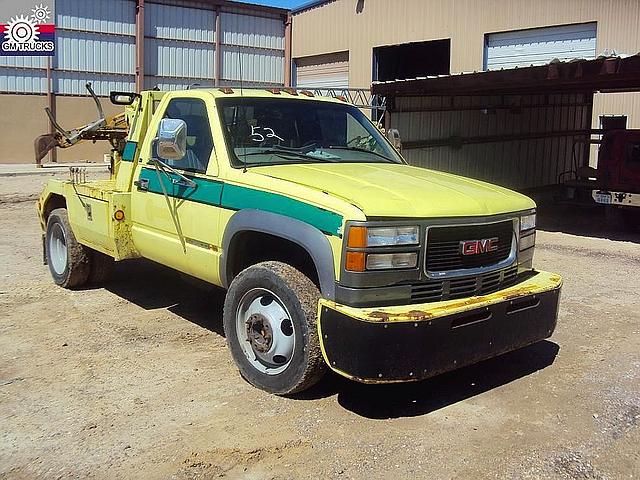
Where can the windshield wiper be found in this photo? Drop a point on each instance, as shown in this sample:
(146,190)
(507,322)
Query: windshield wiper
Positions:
(284,152)
(363,150)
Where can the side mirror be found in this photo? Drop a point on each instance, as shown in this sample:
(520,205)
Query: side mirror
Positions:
(172,139)
(123,98)
(394,137)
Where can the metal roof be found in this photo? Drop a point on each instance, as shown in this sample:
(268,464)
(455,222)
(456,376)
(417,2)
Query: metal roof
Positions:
(604,74)
(244,4)
(310,5)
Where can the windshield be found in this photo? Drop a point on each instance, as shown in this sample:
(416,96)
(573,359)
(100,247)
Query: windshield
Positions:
(265,131)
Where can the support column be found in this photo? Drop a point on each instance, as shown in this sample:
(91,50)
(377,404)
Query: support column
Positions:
(217,74)
(287,50)
(139,45)
(51,103)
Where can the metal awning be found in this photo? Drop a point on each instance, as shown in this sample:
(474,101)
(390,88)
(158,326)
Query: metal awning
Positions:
(604,74)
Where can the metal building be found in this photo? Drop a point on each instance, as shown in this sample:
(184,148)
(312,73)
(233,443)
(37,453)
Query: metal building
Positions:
(522,128)
(129,45)
(361,42)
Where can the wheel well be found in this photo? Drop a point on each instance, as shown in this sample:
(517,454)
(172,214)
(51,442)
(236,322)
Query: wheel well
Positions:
(54,201)
(249,247)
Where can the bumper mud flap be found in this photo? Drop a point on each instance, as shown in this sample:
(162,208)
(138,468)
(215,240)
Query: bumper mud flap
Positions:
(378,352)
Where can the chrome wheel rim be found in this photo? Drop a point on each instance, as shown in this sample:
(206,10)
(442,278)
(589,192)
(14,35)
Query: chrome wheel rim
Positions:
(265,331)
(58,249)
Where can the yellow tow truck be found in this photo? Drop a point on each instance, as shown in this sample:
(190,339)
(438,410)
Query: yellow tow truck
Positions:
(333,251)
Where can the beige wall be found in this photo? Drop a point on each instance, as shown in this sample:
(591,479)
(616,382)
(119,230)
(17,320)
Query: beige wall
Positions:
(360,25)
(337,26)
(73,112)
(24,119)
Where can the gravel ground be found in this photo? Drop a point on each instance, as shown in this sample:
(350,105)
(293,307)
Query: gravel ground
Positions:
(134,381)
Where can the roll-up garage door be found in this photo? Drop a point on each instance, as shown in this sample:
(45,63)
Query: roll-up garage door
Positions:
(328,71)
(538,46)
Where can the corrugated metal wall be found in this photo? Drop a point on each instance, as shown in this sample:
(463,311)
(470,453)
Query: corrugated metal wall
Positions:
(22,80)
(23,74)
(331,70)
(179,46)
(95,42)
(252,46)
(538,46)
(515,141)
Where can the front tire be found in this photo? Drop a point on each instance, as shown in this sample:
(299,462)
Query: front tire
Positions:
(68,260)
(270,315)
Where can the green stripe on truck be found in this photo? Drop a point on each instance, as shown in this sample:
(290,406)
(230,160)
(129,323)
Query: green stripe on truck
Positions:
(236,197)
(129,152)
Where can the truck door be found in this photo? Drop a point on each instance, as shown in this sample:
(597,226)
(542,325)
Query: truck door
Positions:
(175,222)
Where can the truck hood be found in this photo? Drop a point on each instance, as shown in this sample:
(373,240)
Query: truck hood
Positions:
(395,190)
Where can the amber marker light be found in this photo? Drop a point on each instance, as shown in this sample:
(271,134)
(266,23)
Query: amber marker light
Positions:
(357,237)
(119,215)
(355,261)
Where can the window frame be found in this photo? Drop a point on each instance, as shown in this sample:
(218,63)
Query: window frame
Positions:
(238,164)
(207,161)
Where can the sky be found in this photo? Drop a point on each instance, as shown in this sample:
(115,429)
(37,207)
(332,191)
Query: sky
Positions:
(278,3)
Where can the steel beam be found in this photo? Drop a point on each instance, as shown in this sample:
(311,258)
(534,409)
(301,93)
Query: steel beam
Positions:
(139,45)
(287,50)
(51,103)
(217,74)
(457,142)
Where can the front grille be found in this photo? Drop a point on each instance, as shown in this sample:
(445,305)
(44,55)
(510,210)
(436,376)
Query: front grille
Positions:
(444,246)
(462,287)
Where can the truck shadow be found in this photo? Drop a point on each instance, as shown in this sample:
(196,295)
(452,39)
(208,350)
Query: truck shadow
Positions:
(582,221)
(152,286)
(420,398)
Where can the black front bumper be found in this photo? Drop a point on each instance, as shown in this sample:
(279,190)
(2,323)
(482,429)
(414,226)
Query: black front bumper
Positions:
(387,351)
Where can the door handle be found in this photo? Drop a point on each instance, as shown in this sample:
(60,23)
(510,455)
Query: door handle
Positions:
(184,183)
(142,184)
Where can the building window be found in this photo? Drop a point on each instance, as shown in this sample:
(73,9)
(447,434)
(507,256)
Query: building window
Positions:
(613,122)
(411,60)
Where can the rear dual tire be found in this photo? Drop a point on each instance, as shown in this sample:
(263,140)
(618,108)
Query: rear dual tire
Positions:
(72,265)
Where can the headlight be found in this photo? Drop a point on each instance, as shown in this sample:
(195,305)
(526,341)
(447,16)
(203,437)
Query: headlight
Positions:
(527,222)
(376,261)
(361,237)
(528,241)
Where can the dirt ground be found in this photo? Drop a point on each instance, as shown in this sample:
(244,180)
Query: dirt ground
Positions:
(134,381)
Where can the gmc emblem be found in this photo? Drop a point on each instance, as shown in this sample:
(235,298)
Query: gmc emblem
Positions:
(475,247)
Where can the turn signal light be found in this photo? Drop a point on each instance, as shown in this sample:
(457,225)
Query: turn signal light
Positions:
(118,215)
(355,262)
(357,237)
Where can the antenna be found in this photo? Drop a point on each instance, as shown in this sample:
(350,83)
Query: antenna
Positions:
(244,113)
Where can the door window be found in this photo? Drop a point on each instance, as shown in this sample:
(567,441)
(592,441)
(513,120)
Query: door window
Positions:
(199,140)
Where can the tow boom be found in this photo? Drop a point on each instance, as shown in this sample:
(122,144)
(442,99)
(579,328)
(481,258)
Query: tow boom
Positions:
(114,130)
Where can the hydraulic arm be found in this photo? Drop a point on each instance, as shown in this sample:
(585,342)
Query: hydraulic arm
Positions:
(114,130)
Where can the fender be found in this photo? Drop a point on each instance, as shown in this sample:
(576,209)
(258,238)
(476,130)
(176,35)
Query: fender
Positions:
(296,231)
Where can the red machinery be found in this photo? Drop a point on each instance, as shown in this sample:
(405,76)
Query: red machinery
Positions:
(618,175)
